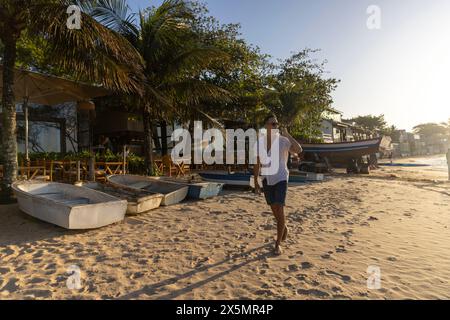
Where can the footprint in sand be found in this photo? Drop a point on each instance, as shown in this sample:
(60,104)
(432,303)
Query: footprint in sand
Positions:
(301,277)
(293,268)
(265,292)
(8,252)
(336,289)
(344,278)
(36,280)
(341,297)
(101,258)
(313,292)
(11,286)
(4,270)
(392,259)
(20,269)
(268,227)
(38,254)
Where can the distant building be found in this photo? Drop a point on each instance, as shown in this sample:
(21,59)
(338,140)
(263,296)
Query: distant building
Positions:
(409,144)
(334,129)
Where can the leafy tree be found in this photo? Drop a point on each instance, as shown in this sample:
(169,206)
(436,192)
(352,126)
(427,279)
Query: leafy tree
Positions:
(243,75)
(299,93)
(430,130)
(371,122)
(175,58)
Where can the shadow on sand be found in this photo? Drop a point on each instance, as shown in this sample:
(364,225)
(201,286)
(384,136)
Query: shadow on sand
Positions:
(18,228)
(154,289)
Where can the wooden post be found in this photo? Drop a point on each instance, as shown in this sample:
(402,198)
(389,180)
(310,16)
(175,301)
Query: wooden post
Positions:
(78,171)
(124,171)
(25,112)
(92,168)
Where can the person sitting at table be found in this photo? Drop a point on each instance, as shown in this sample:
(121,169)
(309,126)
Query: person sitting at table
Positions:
(106,143)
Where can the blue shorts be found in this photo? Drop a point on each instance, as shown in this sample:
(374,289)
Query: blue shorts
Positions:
(275,194)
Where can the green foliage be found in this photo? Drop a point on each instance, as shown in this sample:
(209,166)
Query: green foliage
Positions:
(371,122)
(135,163)
(242,75)
(308,129)
(190,62)
(429,130)
(299,93)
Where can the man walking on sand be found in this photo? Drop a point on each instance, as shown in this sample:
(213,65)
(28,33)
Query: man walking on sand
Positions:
(448,163)
(275,183)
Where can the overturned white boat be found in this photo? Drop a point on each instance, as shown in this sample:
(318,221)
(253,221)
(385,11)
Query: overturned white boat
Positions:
(69,206)
(173,192)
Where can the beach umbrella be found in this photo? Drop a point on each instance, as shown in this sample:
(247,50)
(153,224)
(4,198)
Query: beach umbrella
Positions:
(39,88)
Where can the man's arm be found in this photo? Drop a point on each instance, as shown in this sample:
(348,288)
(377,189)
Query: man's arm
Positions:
(295,146)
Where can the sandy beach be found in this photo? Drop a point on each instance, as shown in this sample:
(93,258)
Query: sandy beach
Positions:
(396,220)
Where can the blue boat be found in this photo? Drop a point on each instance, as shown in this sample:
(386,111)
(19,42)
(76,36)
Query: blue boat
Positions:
(241,179)
(406,165)
(231,179)
(197,190)
(343,151)
(204,190)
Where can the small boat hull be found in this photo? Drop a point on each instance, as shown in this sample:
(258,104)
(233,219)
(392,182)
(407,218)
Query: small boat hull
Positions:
(139,201)
(230,179)
(204,190)
(341,153)
(68,206)
(243,179)
(197,190)
(173,193)
(301,175)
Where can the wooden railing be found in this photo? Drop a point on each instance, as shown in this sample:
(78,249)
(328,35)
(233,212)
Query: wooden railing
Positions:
(104,169)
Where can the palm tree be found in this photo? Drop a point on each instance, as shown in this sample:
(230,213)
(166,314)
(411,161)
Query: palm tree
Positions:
(174,59)
(93,53)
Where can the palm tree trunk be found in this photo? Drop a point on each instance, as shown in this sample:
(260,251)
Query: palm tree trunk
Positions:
(148,142)
(9,139)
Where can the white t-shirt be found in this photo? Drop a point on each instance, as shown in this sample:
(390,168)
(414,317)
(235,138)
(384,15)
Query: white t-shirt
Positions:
(280,162)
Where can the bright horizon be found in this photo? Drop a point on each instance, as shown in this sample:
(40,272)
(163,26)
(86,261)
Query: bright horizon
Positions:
(399,71)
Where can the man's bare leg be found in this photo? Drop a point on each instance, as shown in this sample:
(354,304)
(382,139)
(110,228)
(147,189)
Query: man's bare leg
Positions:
(278,212)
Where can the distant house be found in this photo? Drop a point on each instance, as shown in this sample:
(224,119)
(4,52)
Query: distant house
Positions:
(409,144)
(334,129)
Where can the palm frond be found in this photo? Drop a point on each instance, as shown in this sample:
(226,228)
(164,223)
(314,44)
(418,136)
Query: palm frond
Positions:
(113,14)
(193,91)
(93,53)
(193,59)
